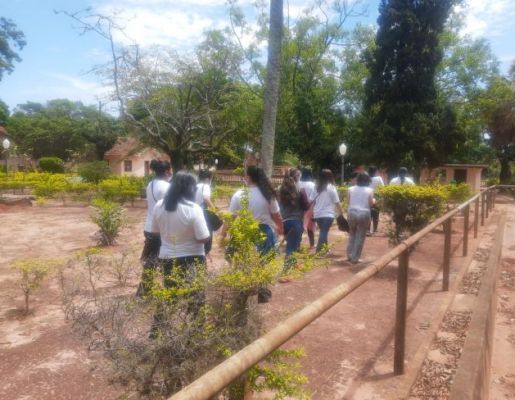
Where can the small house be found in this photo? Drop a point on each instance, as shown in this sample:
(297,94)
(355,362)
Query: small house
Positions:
(130,157)
(455,173)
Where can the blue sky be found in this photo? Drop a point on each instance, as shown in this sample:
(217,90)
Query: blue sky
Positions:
(57,61)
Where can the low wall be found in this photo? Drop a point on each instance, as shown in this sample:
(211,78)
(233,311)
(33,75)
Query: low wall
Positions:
(473,375)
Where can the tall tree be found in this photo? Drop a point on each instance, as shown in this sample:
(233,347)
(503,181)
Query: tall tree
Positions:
(498,107)
(272,83)
(407,121)
(10,39)
(62,128)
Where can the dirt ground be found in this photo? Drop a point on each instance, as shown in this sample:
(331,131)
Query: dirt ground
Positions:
(348,350)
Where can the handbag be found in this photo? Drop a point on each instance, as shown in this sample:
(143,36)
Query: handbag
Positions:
(213,221)
(343,224)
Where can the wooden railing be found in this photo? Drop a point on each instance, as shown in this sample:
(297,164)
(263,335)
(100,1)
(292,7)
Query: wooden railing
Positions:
(223,374)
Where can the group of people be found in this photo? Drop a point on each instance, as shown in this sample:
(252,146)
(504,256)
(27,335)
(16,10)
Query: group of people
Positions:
(178,235)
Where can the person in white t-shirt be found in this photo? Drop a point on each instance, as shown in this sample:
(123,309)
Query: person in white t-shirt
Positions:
(325,205)
(306,183)
(376,182)
(203,199)
(155,191)
(361,198)
(265,209)
(402,179)
(182,228)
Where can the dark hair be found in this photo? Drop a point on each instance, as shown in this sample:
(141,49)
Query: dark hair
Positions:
(158,167)
(363,179)
(258,176)
(307,175)
(403,171)
(204,174)
(288,192)
(372,170)
(182,187)
(326,177)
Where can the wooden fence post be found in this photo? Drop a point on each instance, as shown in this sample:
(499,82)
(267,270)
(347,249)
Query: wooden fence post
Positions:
(447,227)
(487,208)
(400,314)
(466,211)
(482,209)
(476,217)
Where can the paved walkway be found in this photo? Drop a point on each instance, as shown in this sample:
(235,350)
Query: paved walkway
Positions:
(502,385)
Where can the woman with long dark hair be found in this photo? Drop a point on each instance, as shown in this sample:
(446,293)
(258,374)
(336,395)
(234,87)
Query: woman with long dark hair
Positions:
(182,228)
(326,203)
(265,209)
(156,190)
(306,183)
(293,203)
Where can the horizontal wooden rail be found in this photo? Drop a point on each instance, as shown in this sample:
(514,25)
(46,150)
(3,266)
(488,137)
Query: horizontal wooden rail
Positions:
(213,381)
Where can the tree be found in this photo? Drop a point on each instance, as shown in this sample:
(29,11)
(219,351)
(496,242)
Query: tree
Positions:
(406,121)
(10,37)
(498,110)
(62,128)
(273,74)
(4,113)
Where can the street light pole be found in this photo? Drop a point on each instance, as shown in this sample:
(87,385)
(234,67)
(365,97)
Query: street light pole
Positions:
(6,144)
(342,149)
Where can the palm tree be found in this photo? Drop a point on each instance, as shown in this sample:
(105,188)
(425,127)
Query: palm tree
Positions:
(273,71)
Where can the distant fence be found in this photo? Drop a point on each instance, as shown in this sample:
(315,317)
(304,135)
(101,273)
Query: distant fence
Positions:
(227,176)
(226,372)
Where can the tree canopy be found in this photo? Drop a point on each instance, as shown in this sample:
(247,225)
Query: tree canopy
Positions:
(11,38)
(407,122)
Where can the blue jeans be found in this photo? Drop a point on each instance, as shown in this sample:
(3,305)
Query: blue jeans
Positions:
(293,229)
(268,244)
(324,224)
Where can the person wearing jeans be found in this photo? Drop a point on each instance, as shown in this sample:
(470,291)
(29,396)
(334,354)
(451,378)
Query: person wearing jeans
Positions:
(326,202)
(293,202)
(361,198)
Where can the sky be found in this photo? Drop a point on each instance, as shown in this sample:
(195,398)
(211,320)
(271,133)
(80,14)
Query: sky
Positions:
(57,60)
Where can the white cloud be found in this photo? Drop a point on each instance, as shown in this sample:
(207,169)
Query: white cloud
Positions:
(488,18)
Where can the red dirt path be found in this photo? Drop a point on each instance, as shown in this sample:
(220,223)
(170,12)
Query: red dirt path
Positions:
(348,350)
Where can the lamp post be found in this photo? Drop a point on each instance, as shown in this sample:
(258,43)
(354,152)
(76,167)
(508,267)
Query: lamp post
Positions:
(6,144)
(342,149)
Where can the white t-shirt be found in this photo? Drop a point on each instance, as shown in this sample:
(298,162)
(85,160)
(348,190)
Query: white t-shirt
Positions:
(309,188)
(156,190)
(180,229)
(397,181)
(203,190)
(358,197)
(325,202)
(376,181)
(261,209)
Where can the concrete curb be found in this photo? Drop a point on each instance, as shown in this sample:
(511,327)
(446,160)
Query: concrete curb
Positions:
(473,374)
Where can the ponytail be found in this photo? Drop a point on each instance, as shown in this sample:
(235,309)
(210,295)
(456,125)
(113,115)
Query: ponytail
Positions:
(258,177)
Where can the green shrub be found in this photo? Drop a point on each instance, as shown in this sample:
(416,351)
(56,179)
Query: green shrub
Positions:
(457,193)
(32,272)
(121,189)
(109,217)
(51,164)
(411,207)
(94,171)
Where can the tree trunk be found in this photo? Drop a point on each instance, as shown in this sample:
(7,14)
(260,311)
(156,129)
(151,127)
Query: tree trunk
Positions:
(177,160)
(273,74)
(505,174)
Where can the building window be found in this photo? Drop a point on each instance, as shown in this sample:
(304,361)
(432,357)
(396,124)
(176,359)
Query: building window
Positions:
(127,165)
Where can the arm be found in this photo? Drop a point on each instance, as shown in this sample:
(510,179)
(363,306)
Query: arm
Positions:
(278,223)
(371,200)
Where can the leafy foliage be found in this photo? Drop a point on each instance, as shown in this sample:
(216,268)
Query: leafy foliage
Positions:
(32,273)
(10,37)
(406,122)
(411,207)
(94,171)
(109,217)
(51,164)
